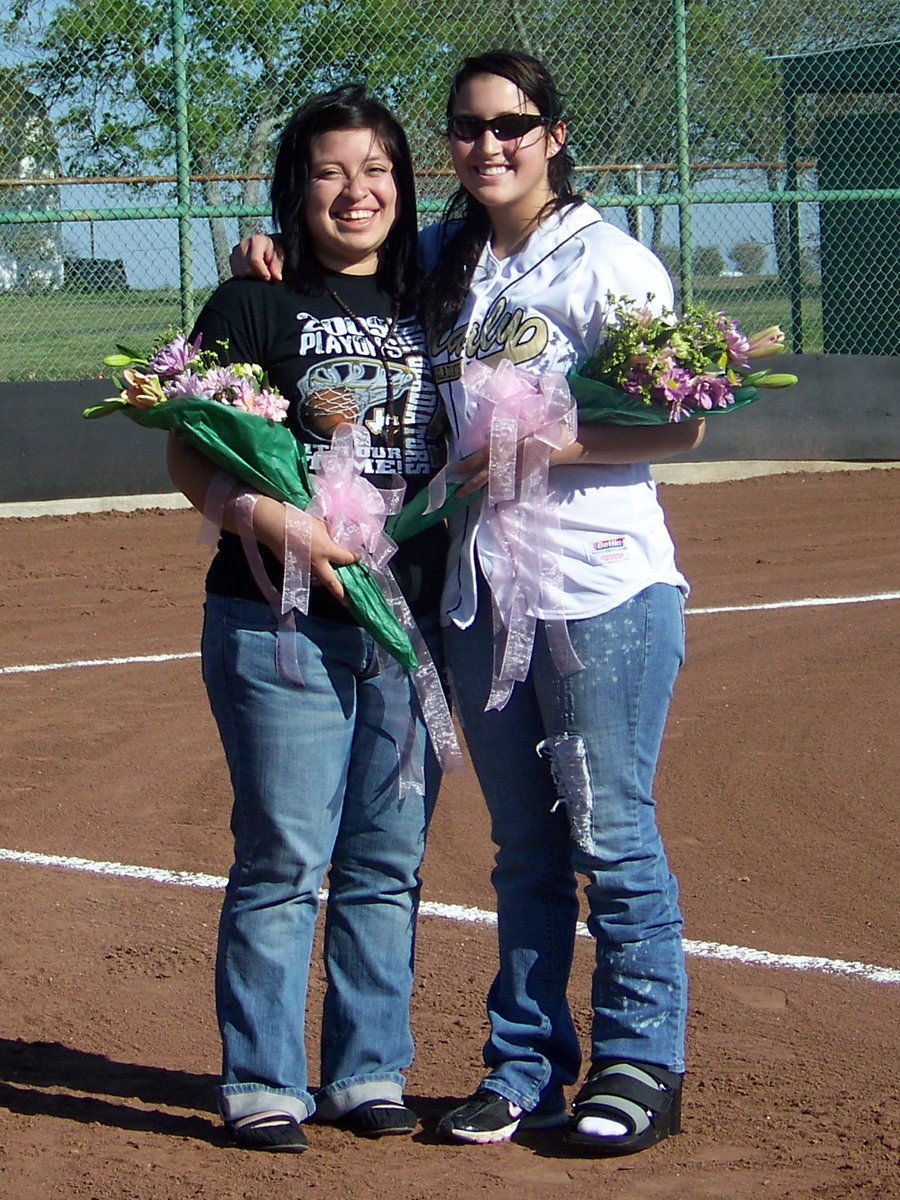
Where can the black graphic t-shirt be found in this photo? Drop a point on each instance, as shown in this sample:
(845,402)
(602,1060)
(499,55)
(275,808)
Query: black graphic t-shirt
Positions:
(330,368)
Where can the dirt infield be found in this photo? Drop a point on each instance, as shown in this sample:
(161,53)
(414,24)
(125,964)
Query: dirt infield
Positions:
(777,793)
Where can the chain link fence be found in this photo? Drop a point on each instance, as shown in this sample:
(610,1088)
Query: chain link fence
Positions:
(755,148)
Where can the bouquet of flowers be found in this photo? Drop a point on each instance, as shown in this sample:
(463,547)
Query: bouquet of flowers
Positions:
(235,418)
(178,368)
(652,369)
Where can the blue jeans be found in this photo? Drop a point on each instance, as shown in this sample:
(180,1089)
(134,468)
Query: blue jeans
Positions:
(567,771)
(315,781)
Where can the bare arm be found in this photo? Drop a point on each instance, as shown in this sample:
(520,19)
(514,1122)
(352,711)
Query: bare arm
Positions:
(610,445)
(617,444)
(192,473)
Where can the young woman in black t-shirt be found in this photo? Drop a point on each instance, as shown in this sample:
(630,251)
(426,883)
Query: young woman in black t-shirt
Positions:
(315,768)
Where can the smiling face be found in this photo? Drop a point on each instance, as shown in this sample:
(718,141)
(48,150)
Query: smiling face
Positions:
(351,204)
(508,177)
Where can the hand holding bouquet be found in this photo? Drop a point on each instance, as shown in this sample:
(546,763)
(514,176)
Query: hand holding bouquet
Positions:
(652,369)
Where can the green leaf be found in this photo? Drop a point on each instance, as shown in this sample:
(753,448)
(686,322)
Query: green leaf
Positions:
(108,406)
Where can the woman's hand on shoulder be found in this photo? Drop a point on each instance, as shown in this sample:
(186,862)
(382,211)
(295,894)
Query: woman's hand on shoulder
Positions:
(257,257)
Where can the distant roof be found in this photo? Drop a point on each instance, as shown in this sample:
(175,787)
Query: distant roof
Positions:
(874,68)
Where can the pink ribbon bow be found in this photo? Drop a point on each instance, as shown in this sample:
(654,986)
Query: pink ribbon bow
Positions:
(519,528)
(354,509)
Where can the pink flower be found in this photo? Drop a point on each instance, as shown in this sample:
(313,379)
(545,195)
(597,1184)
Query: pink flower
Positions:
(737,346)
(175,358)
(262,404)
(141,391)
(273,406)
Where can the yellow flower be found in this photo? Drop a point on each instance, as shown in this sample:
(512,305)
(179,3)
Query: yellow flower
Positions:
(142,391)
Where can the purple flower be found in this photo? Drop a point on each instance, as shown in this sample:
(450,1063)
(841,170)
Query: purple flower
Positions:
(673,386)
(223,384)
(175,358)
(737,345)
(712,391)
(188,384)
(678,410)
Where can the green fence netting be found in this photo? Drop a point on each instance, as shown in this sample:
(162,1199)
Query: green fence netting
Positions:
(755,148)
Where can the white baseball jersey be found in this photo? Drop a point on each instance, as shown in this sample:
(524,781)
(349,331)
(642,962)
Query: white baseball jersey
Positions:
(546,308)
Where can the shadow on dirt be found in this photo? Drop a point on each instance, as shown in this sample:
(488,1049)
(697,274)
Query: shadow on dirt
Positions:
(49,1079)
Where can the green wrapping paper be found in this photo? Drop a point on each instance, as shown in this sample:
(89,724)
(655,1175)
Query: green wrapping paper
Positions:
(269,458)
(602,404)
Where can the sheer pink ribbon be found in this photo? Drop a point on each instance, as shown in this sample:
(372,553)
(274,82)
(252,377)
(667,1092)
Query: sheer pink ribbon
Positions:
(518,534)
(355,511)
(294,595)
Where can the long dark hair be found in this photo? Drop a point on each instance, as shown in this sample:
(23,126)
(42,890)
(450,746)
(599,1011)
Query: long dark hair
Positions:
(346,107)
(444,291)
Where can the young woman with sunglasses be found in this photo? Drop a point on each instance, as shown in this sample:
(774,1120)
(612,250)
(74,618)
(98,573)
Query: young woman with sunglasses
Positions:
(523,270)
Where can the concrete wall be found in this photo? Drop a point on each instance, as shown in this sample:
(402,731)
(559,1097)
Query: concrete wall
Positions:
(49,452)
(844,408)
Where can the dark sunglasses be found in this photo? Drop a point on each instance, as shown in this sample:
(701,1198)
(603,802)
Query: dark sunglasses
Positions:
(505,128)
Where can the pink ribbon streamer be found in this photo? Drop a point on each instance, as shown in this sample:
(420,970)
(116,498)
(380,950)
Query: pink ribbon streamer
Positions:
(519,528)
(356,511)
(286,662)
(220,488)
(297,542)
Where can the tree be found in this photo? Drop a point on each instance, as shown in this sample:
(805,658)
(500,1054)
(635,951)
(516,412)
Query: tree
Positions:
(30,254)
(104,70)
(708,260)
(749,256)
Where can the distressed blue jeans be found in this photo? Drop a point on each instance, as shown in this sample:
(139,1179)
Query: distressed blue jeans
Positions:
(567,772)
(315,780)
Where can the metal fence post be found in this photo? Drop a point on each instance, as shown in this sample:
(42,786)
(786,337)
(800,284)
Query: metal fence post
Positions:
(182,166)
(679,16)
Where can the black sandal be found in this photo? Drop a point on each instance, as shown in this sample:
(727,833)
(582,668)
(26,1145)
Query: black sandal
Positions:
(646,1099)
(274,1131)
(378,1118)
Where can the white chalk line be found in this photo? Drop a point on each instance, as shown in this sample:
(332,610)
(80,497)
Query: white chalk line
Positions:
(31,668)
(467,915)
(811,602)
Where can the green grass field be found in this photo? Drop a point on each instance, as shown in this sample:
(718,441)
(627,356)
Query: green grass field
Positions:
(758,307)
(66,335)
